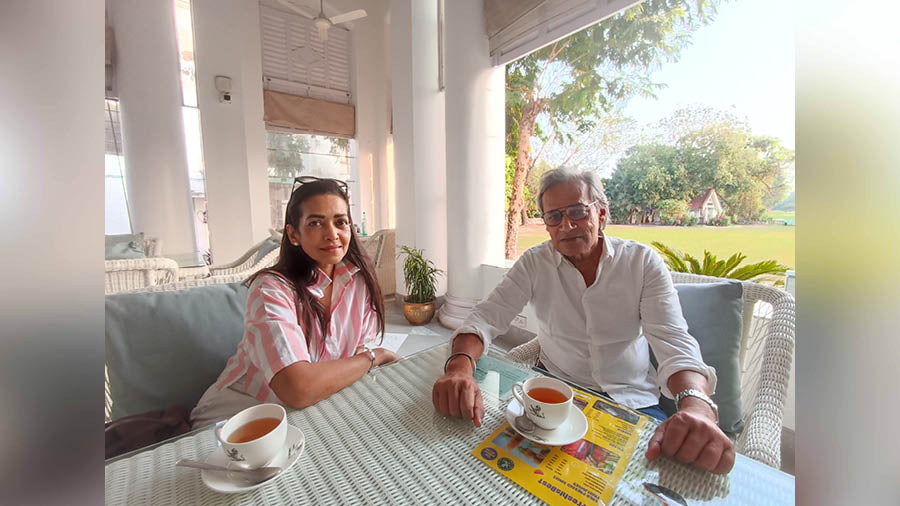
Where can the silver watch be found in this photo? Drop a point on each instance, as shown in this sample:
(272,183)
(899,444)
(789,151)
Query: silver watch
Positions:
(693,392)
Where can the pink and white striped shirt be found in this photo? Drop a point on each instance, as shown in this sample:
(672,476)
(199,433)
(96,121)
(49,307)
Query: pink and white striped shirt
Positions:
(274,337)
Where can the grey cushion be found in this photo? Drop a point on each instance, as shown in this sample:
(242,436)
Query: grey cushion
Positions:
(713,314)
(271,244)
(124,246)
(166,348)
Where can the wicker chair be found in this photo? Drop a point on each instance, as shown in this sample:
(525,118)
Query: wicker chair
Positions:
(767,348)
(247,264)
(136,273)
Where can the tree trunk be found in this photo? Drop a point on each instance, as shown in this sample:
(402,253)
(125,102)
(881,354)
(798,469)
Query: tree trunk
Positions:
(523,161)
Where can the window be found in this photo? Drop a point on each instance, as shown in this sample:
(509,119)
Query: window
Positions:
(190,113)
(118,220)
(294,154)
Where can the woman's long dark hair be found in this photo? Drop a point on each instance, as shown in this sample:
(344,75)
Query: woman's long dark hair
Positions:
(301,271)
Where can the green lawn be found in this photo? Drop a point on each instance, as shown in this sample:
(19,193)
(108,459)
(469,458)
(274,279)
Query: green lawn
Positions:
(781,215)
(758,242)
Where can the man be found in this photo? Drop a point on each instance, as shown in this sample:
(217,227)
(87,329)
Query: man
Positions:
(599,301)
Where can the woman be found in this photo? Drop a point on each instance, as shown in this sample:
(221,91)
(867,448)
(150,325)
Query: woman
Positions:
(309,318)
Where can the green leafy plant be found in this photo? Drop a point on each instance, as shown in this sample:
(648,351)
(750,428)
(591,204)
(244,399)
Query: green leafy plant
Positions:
(711,266)
(420,275)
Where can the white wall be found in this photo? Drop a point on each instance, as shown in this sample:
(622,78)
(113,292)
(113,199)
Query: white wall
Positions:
(147,79)
(227,42)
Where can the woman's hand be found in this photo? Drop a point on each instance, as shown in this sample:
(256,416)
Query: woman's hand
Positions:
(385,356)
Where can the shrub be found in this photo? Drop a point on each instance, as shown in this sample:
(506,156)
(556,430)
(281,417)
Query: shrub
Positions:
(692,221)
(677,261)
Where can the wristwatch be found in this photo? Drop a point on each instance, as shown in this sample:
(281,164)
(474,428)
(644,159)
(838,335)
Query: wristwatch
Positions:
(693,392)
(371,353)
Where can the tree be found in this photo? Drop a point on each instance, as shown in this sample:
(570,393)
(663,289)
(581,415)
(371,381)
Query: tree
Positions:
(577,80)
(284,154)
(647,175)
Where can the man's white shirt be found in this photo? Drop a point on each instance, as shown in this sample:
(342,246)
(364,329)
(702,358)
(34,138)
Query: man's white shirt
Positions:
(597,335)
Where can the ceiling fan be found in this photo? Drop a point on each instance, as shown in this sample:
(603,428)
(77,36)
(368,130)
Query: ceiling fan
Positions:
(323,22)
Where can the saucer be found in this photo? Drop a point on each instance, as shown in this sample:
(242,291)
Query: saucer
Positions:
(220,482)
(572,429)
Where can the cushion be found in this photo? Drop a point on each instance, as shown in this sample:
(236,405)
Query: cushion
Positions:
(123,246)
(270,245)
(166,348)
(713,312)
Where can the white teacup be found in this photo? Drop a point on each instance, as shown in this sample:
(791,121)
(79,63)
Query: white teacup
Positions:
(261,450)
(546,415)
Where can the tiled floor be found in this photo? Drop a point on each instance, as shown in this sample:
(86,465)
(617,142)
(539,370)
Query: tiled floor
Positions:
(433,334)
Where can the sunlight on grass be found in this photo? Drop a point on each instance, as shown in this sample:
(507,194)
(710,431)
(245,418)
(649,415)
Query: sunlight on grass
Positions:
(758,242)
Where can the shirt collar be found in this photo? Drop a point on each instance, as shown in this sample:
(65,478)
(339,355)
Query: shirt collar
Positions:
(608,251)
(343,273)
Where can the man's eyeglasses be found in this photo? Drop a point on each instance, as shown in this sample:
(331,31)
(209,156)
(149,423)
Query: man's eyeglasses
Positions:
(575,212)
(299,181)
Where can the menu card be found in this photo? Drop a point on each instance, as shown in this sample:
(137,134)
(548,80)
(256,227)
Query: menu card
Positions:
(585,472)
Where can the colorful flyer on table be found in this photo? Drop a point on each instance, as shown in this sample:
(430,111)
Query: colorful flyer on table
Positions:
(584,472)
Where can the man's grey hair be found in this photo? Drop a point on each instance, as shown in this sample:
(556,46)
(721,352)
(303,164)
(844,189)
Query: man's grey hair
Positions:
(559,175)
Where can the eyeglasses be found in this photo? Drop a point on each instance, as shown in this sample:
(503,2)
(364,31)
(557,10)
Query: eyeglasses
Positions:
(299,181)
(575,212)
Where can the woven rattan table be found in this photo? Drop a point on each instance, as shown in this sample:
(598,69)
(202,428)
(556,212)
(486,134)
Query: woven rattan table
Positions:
(380,441)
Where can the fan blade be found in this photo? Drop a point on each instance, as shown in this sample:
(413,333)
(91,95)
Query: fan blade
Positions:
(323,33)
(349,16)
(299,10)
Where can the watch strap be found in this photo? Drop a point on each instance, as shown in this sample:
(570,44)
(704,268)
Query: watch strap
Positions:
(693,392)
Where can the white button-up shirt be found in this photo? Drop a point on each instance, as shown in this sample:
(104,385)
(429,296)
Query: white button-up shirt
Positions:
(597,335)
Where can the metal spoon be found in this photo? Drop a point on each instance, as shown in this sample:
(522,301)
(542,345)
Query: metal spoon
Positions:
(665,494)
(246,476)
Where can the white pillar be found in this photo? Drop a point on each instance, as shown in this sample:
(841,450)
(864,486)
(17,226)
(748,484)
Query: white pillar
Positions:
(475,101)
(227,41)
(147,79)
(419,142)
(370,95)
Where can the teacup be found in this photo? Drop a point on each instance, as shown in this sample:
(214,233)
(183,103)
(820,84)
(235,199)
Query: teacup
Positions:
(546,401)
(249,438)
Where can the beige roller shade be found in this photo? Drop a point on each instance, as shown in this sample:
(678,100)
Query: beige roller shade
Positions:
(308,114)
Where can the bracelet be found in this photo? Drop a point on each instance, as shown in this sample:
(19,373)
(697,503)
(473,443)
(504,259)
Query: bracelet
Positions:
(457,354)
(371,353)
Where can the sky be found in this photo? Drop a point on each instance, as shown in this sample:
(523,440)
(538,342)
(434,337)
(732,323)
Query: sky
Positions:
(742,62)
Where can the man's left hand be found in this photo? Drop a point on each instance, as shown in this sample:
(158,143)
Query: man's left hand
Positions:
(691,436)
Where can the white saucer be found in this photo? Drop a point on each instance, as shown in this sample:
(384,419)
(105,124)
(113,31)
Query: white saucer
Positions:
(571,430)
(219,481)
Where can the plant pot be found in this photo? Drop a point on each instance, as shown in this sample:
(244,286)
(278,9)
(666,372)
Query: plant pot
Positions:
(418,314)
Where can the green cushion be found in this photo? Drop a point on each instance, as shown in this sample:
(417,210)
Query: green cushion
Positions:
(713,312)
(267,247)
(124,246)
(166,348)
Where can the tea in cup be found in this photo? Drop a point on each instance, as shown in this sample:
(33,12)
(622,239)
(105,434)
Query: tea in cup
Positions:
(546,401)
(253,437)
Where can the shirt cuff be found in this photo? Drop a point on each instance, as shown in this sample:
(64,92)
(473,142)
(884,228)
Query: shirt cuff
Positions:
(677,364)
(471,329)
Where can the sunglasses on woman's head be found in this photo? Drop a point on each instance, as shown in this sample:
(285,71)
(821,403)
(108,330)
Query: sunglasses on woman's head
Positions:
(300,181)
(575,212)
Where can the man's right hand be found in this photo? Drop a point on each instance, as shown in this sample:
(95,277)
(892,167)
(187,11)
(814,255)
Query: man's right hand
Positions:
(457,394)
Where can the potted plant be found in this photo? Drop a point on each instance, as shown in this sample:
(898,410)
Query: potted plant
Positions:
(420,276)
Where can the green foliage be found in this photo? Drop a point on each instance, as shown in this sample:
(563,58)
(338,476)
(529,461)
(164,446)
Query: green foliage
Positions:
(419,274)
(284,154)
(692,221)
(749,172)
(711,266)
(672,211)
(722,221)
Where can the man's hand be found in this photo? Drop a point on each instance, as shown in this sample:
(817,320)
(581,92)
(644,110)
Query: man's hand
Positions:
(457,394)
(691,436)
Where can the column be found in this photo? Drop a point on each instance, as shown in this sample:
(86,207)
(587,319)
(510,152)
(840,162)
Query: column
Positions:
(419,141)
(227,39)
(475,101)
(147,78)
